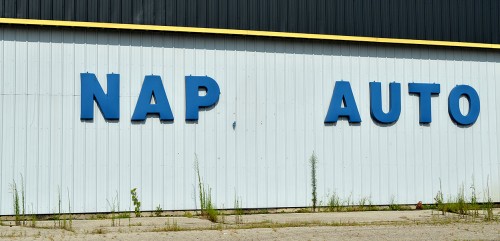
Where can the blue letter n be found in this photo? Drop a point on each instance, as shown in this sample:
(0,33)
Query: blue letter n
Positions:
(108,103)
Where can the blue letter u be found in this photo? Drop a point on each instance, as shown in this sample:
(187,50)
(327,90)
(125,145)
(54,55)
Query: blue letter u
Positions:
(376,102)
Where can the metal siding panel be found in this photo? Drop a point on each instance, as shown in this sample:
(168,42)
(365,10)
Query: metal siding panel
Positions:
(9,8)
(33,9)
(385,18)
(22,9)
(461,20)
(126,11)
(115,11)
(267,89)
(212,12)
(137,11)
(149,12)
(253,15)
(242,14)
(478,21)
(470,21)
(69,10)
(454,21)
(2,8)
(93,10)
(159,12)
(420,19)
(200,11)
(486,23)
(104,8)
(273,15)
(282,20)
(180,15)
(293,15)
(495,22)
(367,24)
(58,9)
(81,10)
(376,21)
(429,19)
(223,12)
(190,15)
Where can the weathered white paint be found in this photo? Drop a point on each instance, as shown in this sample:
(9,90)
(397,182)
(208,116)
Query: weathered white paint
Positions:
(277,91)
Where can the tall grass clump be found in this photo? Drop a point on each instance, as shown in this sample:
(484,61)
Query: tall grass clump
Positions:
(393,206)
(114,208)
(207,208)
(238,211)
(313,162)
(334,204)
(439,200)
(15,202)
(19,202)
(488,204)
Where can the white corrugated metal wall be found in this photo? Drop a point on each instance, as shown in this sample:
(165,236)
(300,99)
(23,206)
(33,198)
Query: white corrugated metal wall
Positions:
(277,91)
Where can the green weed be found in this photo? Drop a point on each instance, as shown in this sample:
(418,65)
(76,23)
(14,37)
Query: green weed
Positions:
(313,161)
(113,206)
(188,215)
(334,203)
(393,205)
(488,205)
(137,203)
(158,211)
(15,202)
(238,211)
(208,209)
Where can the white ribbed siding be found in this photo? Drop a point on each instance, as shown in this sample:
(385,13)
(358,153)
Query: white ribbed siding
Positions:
(277,91)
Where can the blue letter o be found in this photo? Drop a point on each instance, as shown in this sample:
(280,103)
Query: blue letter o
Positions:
(454,108)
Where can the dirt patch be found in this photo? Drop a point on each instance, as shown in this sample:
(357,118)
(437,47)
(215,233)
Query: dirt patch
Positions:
(397,225)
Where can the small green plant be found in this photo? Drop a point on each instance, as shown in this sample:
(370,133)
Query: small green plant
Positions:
(313,161)
(113,209)
(474,205)
(15,202)
(188,214)
(238,211)
(23,201)
(137,203)
(439,200)
(459,205)
(362,204)
(488,205)
(174,227)
(334,203)
(211,212)
(393,205)
(208,209)
(33,218)
(70,215)
(158,211)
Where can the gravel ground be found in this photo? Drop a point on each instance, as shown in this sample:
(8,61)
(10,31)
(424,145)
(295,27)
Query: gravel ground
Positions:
(378,225)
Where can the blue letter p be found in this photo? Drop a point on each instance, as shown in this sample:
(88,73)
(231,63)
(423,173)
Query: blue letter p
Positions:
(194,101)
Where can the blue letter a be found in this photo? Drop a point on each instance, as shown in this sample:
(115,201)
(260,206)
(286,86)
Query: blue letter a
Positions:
(342,93)
(152,88)
(108,103)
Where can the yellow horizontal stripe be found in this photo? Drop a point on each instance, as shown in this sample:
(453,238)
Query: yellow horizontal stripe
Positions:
(243,32)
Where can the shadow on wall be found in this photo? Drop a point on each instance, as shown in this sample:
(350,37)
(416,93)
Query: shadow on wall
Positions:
(252,44)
